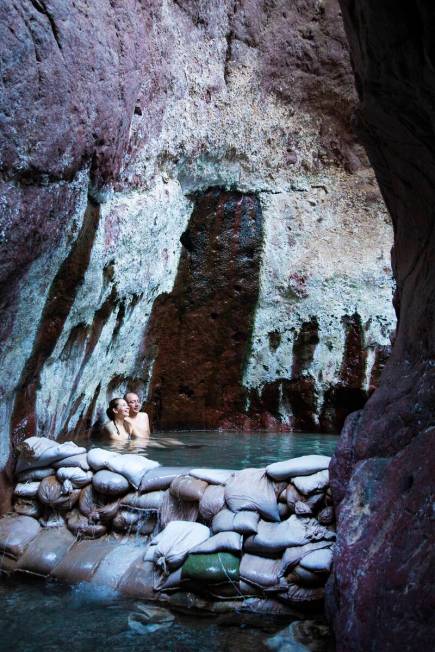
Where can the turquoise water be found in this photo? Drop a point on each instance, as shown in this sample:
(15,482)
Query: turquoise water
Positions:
(45,616)
(227,449)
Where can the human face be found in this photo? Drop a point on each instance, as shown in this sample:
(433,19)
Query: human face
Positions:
(133,403)
(122,409)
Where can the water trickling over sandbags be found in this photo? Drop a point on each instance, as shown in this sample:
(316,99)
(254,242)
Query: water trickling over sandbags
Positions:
(255,539)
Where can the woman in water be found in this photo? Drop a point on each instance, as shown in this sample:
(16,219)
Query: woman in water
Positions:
(117,428)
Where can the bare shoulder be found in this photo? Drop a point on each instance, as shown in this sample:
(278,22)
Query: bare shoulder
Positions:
(108,429)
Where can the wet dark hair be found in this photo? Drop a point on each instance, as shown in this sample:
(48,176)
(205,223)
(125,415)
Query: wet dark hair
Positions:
(113,404)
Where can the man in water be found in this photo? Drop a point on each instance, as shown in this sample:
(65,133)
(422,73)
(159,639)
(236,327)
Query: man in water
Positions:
(138,420)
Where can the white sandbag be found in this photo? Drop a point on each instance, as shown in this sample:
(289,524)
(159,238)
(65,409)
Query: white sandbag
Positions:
(82,560)
(212,476)
(80,526)
(302,509)
(305,577)
(36,452)
(26,489)
(212,501)
(173,544)
(252,490)
(75,460)
(46,550)
(161,477)
(223,521)
(298,466)
(110,483)
(185,487)
(246,522)
(299,595)
(173,509)
(293,496)
(275,537)
(310,484)
(75,475)
(115,564)
(318,561)
(33,475)
(260,571)
(293,555)
(221,542)
(98,458)
(150,501)
(132,467)
(16,532)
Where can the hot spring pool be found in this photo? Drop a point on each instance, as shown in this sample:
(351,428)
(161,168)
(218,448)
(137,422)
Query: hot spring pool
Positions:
(45,616)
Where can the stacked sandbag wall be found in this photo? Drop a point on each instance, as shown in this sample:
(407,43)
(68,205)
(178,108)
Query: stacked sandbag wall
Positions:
(255,536)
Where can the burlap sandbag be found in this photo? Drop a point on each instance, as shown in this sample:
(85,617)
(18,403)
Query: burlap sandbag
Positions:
(52,493)
(82,560)
(300,595)
(150,501)
(32,475)
(75,475)
(110,483)
(212,476)
(298,466)
(304,577)
(132,467)
(27,507)
(80,526)
(173,509)
(16,532)
(309,484)
(46,550)
(276,537)
(98,458)
(26,489)
(161,477)
(252,490)
(223,521)
(221,542)
(138,580)
(134,521)
(212,501)
(38,452)
(260,571)
(294,554)
(246,522)
(80,461)
(187,488)
(116,564)
(317,561)
(172,545)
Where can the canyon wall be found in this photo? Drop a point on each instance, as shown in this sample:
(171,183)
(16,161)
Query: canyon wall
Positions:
(187,213)
(381,597)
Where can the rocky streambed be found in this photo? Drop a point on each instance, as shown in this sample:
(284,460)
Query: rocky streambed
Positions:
(217,540)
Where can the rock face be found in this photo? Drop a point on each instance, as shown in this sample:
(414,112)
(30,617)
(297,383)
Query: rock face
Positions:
(382,474)
(120,125)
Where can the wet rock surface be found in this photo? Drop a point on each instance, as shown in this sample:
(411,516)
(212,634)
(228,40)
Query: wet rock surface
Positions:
(381,473)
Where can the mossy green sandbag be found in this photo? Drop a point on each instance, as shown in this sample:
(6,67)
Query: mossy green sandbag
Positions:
(215,567)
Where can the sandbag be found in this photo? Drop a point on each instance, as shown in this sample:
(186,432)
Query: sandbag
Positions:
(252,490)
(309,484)
(221,542)
(87,503)
(110,483)
(152,500)
(275,537)
(294,554)
(315,501)
(168,582)
(49,490)
(52,519)
(246,522)
(27,507)
(32,475)
(223,521)
(98,458)
(284,511)
(293,496)
(80,461)
(75,475)
(299,595)
(298,466)
(133,521)
(326,516)
(173,509)
(16,532)
(37,452)
(104,513)
(81,527)
(26,489)
(82,560)
(302,509)
(260,571)
(138,580)
(211,568)
(187,488)
(212,501)
(175,541)
(46,550)
(116,563)
(161,478)
(304,577)
(212,476)
(317,561)
(132,467)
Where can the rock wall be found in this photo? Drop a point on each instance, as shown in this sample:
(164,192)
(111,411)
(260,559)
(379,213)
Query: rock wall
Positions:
(117,124)
(382,474)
